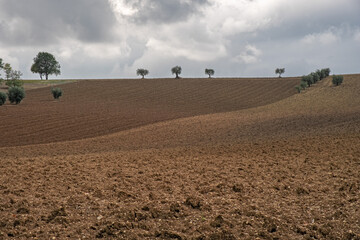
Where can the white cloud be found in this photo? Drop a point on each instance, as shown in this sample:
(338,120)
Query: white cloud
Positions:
(115,37)
(120,7)
(250,55)
(232,17)
(328,37)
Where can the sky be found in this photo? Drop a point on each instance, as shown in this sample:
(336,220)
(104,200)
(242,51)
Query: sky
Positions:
(236,38)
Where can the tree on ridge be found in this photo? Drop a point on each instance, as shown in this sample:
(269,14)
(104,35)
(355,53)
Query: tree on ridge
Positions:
(142,72)
(176,70)
(280,71)
(45,64)
(209,72)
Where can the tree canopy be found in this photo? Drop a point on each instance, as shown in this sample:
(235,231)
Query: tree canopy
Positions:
(280,71)
(8,70)
(337,80)
(142,72)
(209,72)
(45,64)
(176,70)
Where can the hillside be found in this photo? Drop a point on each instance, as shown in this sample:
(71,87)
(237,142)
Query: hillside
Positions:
(288,169)
(99,107)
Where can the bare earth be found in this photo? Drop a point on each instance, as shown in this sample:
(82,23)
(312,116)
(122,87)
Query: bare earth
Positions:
(182,159)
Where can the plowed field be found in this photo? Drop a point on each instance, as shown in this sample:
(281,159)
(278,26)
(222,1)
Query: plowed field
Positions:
(187,159)
(92,108)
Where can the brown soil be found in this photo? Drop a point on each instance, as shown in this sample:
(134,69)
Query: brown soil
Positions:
(287,169)
(94,108)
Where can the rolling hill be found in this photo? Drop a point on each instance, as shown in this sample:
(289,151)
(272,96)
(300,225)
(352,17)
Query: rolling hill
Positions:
(224,162)
(99,107)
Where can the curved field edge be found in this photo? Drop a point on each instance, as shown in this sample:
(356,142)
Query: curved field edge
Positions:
(322,110)
(100,107)
(287,170)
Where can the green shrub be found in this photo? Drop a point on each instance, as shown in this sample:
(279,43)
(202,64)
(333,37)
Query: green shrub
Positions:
(315,77)
(318,72)
(2,98)
(13,79)
(14,83)
(308,79)
(337,80)
(56,92)
(16,94)
(298,89)
(326,72)
(303,85)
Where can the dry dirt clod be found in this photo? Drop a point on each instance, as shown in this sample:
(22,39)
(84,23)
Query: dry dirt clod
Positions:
(302,191)
(238,188)
(194,202)
(23,211)
(175,207)
(56,213)
(218,222)
(224,235)
(168,235)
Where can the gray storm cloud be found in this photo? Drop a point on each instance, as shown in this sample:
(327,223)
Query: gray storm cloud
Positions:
(164,11)
(99,38)
(39,22)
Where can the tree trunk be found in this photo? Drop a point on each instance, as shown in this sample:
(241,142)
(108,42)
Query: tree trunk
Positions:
(47,76)
(41,76)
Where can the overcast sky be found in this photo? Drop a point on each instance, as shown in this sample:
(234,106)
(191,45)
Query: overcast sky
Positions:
(113,38)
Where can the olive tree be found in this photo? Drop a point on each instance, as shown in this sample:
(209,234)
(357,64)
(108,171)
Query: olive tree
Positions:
(16,94)
(45,64)
(3,97)
(337,80)
(56,92)
(142,72)
(315,76)
(7,69)
(176,70)
(14,79)
(303,85)
(308,79)
(209,72)
(325,72)
(280,71)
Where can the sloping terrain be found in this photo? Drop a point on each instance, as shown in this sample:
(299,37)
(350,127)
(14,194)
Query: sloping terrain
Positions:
(99,107)
(286,170)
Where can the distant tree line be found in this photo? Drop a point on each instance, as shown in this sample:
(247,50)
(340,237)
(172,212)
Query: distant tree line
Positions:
(44,64)
(175,70)
(314,77)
